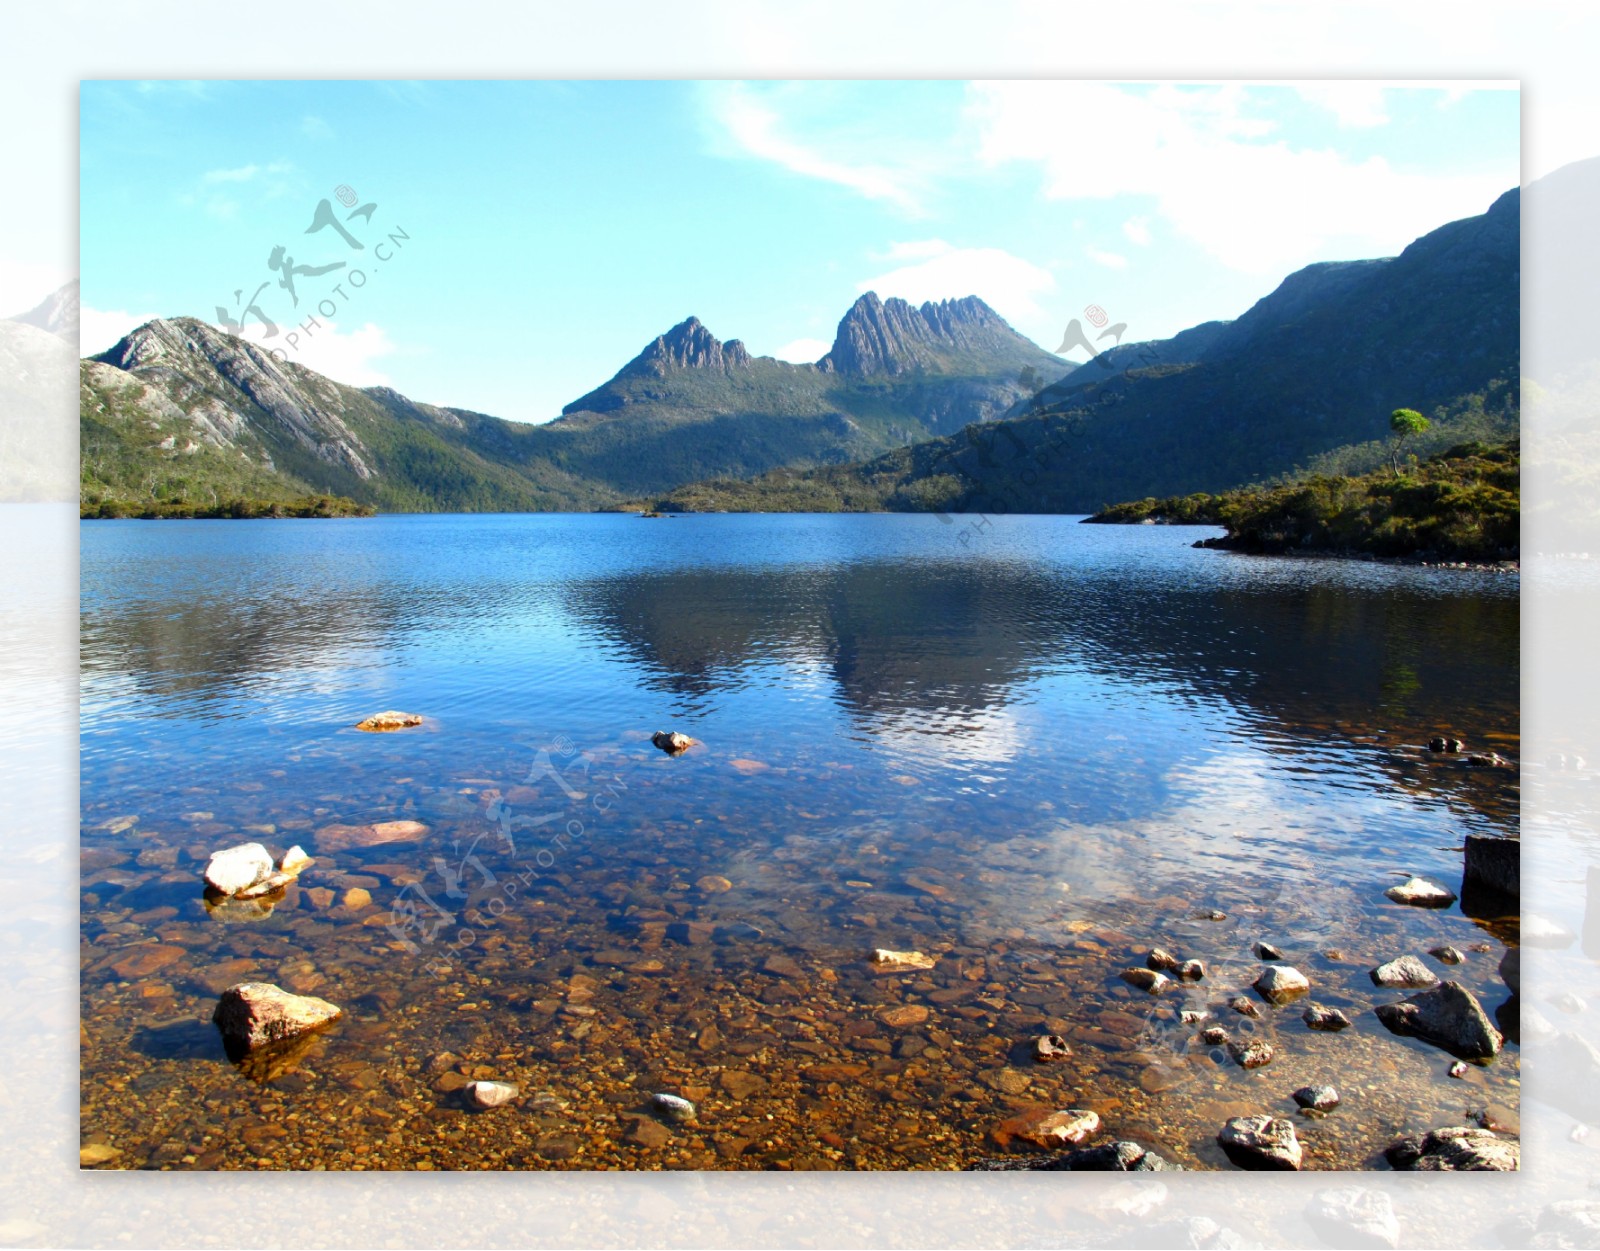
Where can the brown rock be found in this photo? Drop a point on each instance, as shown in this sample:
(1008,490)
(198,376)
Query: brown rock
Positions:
(1047,1128)
(254,1013)
(144,960)
(711,884)
(320,897)
(903,1016)
(740,1084)
(356,898)
(331,838)
(648,1133)
(390,720)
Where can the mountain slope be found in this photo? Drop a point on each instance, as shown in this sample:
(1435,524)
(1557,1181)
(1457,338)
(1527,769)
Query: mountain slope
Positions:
(180,411)
(690,406)
(37,349)
(1306,378)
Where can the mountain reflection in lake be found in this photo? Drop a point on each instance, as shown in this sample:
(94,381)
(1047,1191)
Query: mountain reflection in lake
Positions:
(1034,756)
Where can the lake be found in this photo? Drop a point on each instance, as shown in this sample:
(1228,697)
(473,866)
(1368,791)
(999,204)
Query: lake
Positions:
(1030,748)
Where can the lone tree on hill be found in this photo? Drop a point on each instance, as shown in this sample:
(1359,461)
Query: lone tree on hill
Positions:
(1406,423)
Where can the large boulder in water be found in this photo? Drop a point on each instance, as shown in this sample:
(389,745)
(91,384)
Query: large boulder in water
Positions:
(1261,1142)
(1460,1149)
(236,869)
(1448,1016)
(253,1014)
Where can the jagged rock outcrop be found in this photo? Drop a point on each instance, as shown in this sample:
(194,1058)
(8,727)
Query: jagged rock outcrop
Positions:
(894,337)
(187,358)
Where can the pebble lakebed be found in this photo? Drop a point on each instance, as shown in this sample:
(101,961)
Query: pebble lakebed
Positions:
(680,959)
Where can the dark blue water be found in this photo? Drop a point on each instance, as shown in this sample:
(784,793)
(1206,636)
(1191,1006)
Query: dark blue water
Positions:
(1037,742)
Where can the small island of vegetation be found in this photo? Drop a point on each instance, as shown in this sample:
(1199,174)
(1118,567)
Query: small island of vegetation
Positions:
(1459,505)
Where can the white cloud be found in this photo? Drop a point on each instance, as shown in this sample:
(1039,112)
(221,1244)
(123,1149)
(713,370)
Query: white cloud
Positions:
(242,174)
(1137,230)
(1354,104)
(1111,260)
(246,173)
(803,351)
(314,127)
(939,271)
(99,329)
(344,356)
(755,128)
(1218,174)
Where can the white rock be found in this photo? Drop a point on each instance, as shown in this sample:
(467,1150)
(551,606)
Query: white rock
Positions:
(238,868)
(491,1094)
(268,884)
(885,961)
(1421,893)
(673,1107)
(295,861)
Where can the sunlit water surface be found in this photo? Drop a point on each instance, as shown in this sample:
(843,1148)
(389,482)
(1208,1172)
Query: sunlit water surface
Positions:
(1033,750)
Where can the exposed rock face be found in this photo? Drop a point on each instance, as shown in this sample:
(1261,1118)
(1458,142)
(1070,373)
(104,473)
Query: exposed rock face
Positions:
(1261,1142)
(253,1014)
(1354,1216)
(1280,983)
(184,357)
(236,869)
(688,345)
(57,313)
(1461,1149)
(1494,864)
(1420,893)
(1448,1016)
(390,720)
(1407,971)
(893,337)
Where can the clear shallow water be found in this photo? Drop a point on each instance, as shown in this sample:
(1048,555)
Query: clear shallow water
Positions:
(1035,753)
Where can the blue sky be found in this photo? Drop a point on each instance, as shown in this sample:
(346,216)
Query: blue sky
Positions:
(545,232)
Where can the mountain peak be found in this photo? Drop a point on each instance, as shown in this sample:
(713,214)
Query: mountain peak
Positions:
(689,345)
(57,313)
(892,336)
